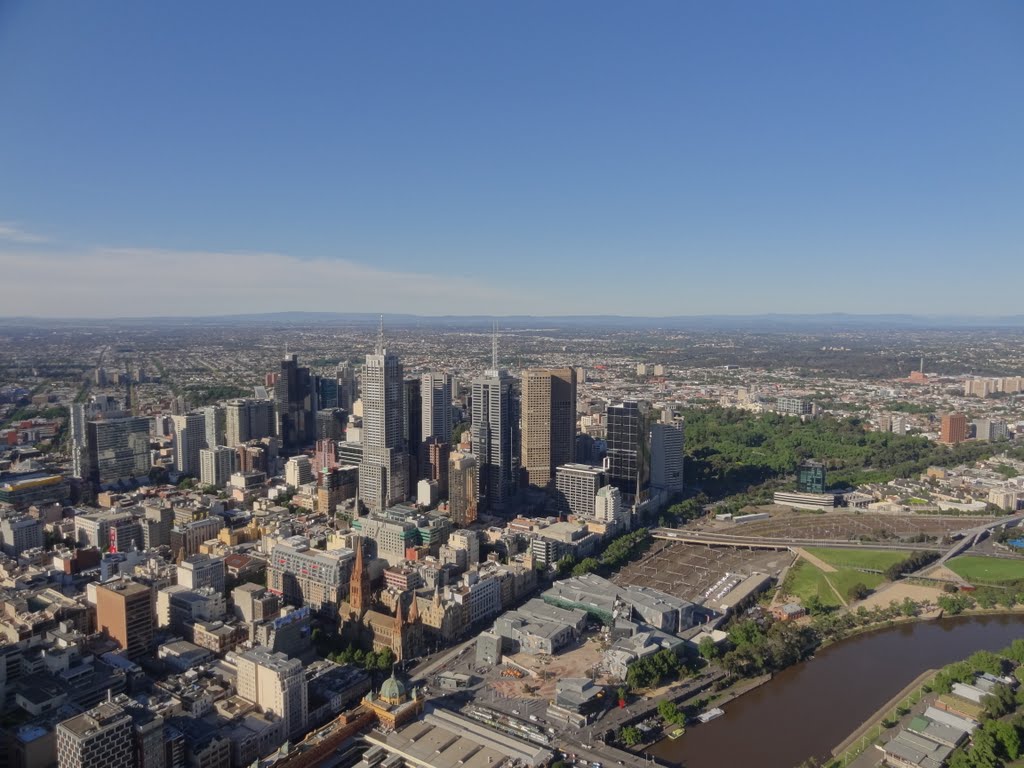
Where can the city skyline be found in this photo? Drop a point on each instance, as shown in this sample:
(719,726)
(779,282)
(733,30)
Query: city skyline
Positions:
(704,160)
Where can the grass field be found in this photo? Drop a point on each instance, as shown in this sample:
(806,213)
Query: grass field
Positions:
(877,559)
(805,580)
(989,569)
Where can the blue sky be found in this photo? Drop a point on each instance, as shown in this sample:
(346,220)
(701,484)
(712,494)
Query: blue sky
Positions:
(559,157)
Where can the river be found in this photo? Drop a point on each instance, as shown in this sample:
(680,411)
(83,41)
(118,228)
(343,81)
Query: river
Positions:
(810,708)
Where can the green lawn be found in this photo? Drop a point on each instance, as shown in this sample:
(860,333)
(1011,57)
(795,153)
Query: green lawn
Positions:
(992,569)
(878,559)
(805,580)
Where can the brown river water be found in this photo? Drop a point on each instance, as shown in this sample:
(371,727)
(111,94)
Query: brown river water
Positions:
(810,708)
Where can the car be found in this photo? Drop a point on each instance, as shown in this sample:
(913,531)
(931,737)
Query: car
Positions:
(515,711)
(534,718)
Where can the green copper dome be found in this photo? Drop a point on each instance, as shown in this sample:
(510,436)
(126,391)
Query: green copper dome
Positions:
(392,689)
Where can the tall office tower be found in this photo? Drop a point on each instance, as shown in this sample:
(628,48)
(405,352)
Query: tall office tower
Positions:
(276,684)
(189,439)
(548,423)
(629,450)
(953,429)
(98,738)
(112,450)
(434,463)
(215,423)
(412,425)
(330,423)
(576,486)
(295,403)
(124,612)
(348,391)
(436,389)
(462,489)
(216,465)
(495,430)
(667,442)
(327,391)
(383,471)
(248,419)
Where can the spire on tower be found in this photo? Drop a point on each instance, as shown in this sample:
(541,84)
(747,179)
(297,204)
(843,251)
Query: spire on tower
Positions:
(380,337)
(494,348)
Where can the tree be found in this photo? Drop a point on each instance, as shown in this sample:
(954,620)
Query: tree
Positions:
(908,607)
(586,565)
(630,736)
(999,702)
(858,591)
(707,648)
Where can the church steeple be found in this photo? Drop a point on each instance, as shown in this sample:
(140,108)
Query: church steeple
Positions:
(414,610)
(359,584)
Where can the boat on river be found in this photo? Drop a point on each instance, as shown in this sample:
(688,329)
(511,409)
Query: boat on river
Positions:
(677,733)
(711,714)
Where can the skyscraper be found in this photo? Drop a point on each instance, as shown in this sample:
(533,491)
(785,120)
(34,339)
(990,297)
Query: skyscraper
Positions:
(383,471)
(462,489)
(667,457)
(189,439)
(495,431)
(629,450)
(412,433)
(348,391)
(215,424)
(548,422)
(295,403)
(327,391)
(248,419)
(436,390)
(216,465)
(106,451)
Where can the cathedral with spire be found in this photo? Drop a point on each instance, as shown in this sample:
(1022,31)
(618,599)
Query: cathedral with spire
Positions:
(364,624)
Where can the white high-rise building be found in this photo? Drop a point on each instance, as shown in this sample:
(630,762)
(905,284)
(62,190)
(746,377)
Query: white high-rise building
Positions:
(667,458)
(189,439)
(276,684)
(576,485)
(608,506)
(215,424)
(382,473)
(298,471)
(216,465)
(436,394)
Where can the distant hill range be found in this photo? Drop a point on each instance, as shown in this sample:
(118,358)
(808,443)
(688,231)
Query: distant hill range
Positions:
(750,323)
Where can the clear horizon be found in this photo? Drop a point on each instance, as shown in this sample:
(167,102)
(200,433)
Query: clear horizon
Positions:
(531,159)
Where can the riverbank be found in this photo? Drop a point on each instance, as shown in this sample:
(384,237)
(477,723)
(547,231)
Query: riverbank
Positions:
(849,679)
(876,719)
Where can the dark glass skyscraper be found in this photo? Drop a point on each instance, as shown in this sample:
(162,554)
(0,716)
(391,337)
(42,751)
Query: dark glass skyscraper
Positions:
(295,405)
(629,450)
